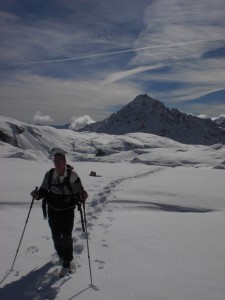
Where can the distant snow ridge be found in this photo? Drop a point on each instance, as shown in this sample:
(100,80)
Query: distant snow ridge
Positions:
(148,115)
(220,121)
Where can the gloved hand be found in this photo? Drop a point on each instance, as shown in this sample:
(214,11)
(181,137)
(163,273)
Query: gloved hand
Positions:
(35,193)
(84,195)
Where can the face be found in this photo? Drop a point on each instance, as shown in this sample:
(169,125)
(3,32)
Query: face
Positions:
(60,163)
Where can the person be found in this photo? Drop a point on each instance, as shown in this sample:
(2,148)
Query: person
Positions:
(61,192)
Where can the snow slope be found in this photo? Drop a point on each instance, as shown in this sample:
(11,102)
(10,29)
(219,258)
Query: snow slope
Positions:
(155,212)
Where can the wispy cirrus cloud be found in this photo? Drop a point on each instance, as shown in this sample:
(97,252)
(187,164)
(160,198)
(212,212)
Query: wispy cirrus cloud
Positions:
(185,30)
(117,76)
(94,55)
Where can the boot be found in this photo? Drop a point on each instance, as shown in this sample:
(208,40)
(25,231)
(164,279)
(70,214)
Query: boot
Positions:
(66,264)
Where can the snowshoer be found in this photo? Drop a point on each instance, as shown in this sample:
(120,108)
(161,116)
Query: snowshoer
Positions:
(62,190)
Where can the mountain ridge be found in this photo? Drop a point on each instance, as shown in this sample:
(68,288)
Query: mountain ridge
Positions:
(148,115)
(220,121)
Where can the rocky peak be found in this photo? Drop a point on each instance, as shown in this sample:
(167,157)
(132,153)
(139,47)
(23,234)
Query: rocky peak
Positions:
(148,115)
(220,121)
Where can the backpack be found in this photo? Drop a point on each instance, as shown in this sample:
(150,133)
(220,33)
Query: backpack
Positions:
(50,175)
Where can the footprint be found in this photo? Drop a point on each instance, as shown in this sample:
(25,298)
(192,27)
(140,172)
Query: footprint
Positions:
(32,250)
(94,203)
(78,248)
(45,237)
(105,226)
(16,273)
(100,263)
(102,199)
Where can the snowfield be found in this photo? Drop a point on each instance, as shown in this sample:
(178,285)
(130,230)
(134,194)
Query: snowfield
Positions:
(155,213)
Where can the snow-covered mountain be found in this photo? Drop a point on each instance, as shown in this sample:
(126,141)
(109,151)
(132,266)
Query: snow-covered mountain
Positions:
(153,196)
(34,143)
(220,122)
(148,115)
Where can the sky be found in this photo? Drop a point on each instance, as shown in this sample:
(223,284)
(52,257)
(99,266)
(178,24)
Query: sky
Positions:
(62,60)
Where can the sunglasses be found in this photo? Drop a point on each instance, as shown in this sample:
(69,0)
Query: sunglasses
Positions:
(58,161)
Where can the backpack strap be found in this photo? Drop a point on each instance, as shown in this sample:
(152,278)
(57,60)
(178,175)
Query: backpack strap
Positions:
(69,170)
(50,175)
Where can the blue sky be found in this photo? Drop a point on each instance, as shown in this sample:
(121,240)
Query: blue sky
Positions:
(61,59)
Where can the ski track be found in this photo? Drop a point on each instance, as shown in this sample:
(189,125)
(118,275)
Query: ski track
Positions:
(100,202)
(101,197)
(97,204)
(44,283)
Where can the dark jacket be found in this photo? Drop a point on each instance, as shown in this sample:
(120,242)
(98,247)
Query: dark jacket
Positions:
(63,192)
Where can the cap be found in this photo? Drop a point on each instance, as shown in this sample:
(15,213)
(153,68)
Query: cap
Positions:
(55,151)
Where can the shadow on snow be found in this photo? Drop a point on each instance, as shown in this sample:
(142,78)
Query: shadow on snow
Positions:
(39,284)
(161,206)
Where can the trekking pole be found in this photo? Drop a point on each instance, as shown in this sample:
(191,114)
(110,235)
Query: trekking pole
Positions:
(23,231)
(85,222)
(81,215)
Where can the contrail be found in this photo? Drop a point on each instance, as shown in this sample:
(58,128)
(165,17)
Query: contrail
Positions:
(113,53)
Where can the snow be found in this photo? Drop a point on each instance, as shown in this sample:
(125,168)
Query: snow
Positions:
(155,214)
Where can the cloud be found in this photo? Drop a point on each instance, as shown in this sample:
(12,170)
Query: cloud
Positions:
(103,55)
(69,32)
(80,122)
(38,118)
(180,33)
(116,76)
(202,116)
(62,98)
